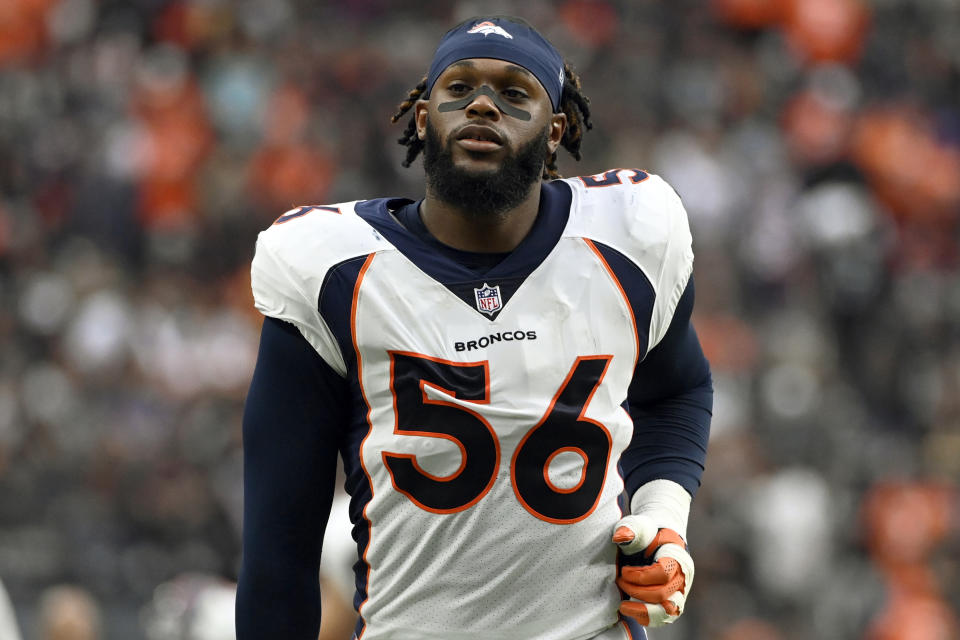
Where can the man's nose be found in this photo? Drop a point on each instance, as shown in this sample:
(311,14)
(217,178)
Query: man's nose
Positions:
(483,106)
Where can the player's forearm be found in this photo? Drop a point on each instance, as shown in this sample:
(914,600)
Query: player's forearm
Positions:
(277,602)
(670,439)
(665,502)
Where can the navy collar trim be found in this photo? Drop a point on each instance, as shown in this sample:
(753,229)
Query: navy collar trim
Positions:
(440,262)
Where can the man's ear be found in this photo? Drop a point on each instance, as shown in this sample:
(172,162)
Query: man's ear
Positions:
(420,109)
(558,126)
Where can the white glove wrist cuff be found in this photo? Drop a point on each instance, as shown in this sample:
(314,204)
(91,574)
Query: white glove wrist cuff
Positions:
(665,502)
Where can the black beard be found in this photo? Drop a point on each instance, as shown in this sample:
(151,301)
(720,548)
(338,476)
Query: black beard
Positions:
(485,194)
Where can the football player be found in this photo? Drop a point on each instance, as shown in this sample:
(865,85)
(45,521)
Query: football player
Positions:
(506,367)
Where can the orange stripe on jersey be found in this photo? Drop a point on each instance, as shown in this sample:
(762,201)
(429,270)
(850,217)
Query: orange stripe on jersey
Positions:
(356,350)
(626,300)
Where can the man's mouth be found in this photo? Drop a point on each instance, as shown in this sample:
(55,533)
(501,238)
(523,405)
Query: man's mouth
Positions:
(479,138)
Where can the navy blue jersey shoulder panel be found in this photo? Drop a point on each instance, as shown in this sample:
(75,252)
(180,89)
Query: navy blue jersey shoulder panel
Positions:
(335,301)
(357,486)
(335,304)
(447,265)
(636,286)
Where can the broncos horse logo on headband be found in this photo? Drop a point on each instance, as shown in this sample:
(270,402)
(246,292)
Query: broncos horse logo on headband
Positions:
(486,28)
(522,45)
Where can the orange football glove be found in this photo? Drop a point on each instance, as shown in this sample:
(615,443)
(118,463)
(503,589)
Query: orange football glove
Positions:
(659,590)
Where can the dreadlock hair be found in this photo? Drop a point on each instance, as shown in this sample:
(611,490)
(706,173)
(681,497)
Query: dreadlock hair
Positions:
(573,103)
(409,139)
(576,106)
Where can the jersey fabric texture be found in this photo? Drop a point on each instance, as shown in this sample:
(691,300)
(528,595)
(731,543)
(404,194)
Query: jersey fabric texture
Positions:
(489,417)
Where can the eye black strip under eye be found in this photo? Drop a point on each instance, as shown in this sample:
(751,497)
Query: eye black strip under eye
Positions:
(462,103)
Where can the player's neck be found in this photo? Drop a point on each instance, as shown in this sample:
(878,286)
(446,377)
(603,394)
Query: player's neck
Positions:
(482,234)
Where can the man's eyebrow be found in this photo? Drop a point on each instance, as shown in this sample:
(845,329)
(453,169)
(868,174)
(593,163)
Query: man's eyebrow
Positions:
(518,69)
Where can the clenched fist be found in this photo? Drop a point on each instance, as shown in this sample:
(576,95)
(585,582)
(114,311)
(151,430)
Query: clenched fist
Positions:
(658,591)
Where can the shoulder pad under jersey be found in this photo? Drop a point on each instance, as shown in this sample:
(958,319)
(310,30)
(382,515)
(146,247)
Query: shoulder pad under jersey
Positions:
(639,215)
(292,258)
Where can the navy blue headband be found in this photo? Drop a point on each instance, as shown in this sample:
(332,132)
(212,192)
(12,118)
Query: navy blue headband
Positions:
(503,40)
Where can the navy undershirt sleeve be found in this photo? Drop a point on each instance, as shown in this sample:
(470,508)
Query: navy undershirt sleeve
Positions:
(671,403)
(292,427)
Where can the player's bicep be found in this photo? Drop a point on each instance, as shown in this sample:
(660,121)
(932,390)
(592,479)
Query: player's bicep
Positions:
(291,428)
(677,364)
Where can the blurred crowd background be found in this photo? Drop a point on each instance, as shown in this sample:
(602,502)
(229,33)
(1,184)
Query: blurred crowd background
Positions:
(815,143)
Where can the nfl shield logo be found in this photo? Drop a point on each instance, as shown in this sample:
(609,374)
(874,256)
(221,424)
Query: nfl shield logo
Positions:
(488,299)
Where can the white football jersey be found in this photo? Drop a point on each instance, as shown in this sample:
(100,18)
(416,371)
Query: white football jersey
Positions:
(483,460)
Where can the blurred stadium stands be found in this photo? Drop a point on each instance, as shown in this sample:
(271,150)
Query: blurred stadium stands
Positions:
(816,144)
